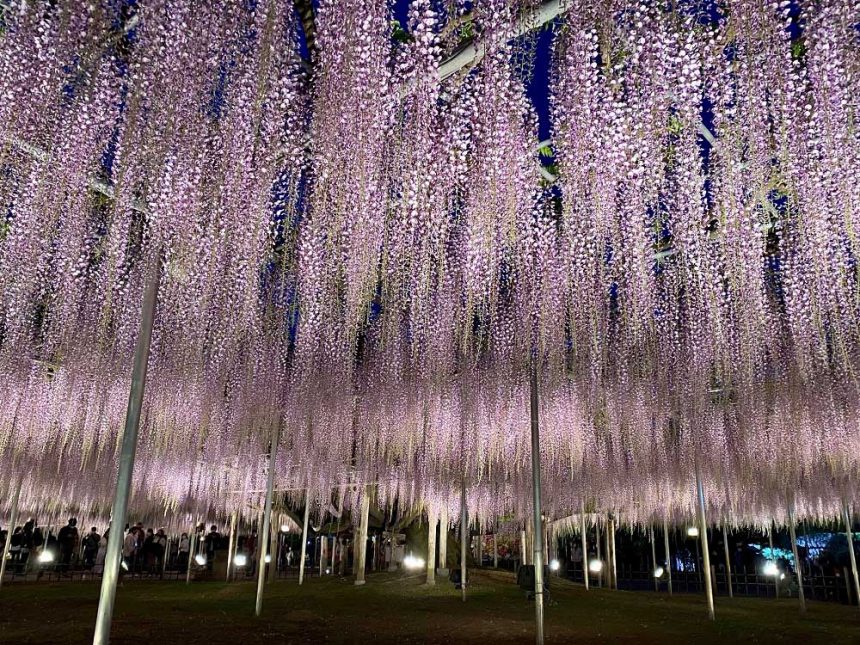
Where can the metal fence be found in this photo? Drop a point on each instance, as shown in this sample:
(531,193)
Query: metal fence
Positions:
(817,584)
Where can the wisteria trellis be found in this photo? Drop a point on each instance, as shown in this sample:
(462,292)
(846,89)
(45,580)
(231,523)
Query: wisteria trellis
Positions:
(368,256)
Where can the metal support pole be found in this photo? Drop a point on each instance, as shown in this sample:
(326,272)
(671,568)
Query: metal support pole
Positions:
(536,504)
(304,549)
(119,510)
(849,534)
(13,521)
(166,556)
(275,542)
(464,538)
(772,558)
(192,552)
(614,571)
(524,558)
(360,545)
(599,554)
(706,555)
(729,561)
(232,544)
(654,559)
(443,542)
(608,550)
(495,551)
(798,569)
(668,553)
(267,521)
(431,548)
(584,544)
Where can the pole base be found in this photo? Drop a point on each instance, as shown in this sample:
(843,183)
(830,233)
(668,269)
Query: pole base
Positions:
(442,573)
(358,583)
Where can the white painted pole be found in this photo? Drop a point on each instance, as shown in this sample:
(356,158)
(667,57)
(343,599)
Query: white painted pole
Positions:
(614,571)
(304,548)
(599,555)
(360,545)
(431,547)
(773,558)
(608,549)
(464,538)
(524,559)
(275,537)
(706,554)
(443,542)
(192,551)
(729,561)
(119,510)
(536,502)
(13,521)
(667,552)
(232,543)
(654,559)
(584,544)
(267,522)
(798,569)
(166,556)
(849,534)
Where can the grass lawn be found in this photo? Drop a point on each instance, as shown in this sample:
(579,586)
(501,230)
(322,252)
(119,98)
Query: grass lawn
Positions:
(393,608)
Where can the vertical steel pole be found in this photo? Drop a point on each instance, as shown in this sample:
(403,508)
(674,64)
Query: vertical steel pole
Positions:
(584,544)
(773,559)
(119,510)
(654,559)
(232,544)
(464,538)
(304,549)
(798,569)
(668,553)
(524,558)
(443,541)
(192,551)
(267,521)
(360,545)
(275,541)
(706,554)
(728,561)
(536,504)
(431,547)
(614,571)
(13,520)
(849,534)
(599,554)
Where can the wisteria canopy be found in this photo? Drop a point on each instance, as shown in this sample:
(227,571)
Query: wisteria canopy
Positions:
(363,258)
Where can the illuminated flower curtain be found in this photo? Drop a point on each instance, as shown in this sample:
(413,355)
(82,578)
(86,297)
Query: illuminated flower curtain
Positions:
(369,257)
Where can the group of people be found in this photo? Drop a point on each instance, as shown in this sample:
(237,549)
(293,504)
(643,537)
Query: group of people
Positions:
(143,551)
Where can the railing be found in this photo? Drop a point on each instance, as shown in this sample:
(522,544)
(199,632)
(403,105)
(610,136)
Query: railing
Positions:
(817,584)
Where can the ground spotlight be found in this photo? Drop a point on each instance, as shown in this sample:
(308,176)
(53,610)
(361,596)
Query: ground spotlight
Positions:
(658,572)
(693,531)
(240,560)
(268,558)
(285,528)
(554,565)
(200,559)
(46,557)
(595,566)
(770,568)
(413,562)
